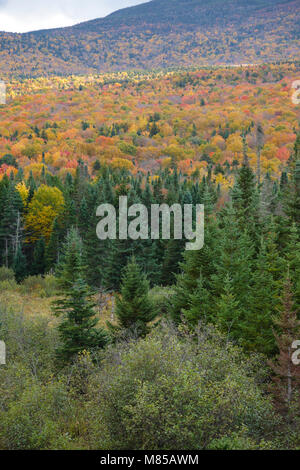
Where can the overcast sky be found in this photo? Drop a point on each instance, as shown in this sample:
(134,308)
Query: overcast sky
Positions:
(29,15)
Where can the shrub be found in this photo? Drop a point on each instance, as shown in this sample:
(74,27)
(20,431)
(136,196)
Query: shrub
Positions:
(8,285)
(6,274)
(39,419)
(39,285)
(165,393)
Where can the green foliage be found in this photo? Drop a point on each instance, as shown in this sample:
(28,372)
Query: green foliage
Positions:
(134,309)
(71,265)
(77,327)
(6,274)
(163,393)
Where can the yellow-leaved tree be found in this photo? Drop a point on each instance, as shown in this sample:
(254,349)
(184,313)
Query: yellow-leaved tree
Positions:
(46,204)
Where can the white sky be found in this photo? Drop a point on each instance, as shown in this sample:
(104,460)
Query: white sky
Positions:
(29,15)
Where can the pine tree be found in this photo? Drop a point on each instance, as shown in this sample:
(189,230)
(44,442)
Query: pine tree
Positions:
(10,224)
(20,265)
(71,265)
(134,309)
(228,313)
(195,263)
(198,305)
(292,256)
(260,137)
(244,202)
(234,258)
(293,197)
(84,217)
(52,249)
(77,328)
(39,261)
(265,292)
(286,381)
(171,261)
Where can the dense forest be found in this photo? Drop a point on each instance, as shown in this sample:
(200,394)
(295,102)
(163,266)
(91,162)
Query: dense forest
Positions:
(159,34)
(121,344)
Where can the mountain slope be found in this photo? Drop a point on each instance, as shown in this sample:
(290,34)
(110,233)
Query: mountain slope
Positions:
(160,34)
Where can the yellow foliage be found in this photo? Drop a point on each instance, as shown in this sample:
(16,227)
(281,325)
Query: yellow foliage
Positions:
(47,203)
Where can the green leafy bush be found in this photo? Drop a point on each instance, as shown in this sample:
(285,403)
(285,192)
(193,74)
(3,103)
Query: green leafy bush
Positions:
(165,393)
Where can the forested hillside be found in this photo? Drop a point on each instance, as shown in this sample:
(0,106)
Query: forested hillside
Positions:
(160,34)
(142,344)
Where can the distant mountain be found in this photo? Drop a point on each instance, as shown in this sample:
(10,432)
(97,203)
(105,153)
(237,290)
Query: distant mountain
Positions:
(160,34)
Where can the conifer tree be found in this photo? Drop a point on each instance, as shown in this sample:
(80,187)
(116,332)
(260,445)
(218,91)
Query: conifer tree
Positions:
(292,257)
(234,258)
(52,249)
(228,313)
(293,197)
(77,328)
(134,309)
(244,203)
(198,305)
(10,224)
(195,263)
(71,265)
(39,261)
(265,292)
(20,265)
(260,137)
(286,380)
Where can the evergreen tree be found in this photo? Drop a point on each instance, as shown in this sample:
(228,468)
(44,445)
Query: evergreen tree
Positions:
(52,249)
(286,380)
(293,197)
(20,265)
(198,305)
(228,313)
(235,259)
(292,257)
(84,217)
(265,292)
(260,137)
(39,261)
(134,309)
(71,265)
(195,263)
(10,224)
(77,328)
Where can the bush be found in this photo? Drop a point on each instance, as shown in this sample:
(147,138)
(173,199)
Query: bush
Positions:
(39,285)
(39,419)
(8,285)
(165,393)
(6,274)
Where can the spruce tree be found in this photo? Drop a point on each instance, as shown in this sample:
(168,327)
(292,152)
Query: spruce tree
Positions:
(134,309)
(265,292)
(234,258)
(293,197)
(198,305)
(286,380)
(52,249)
(20,265)
(77,328)
(228,313)
(71,265)
(292,257)
(196,263)
(39,261)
